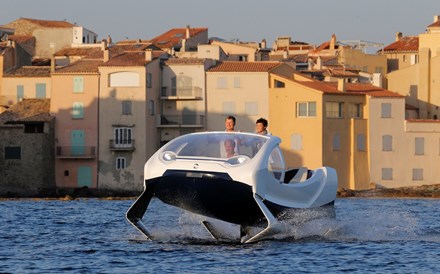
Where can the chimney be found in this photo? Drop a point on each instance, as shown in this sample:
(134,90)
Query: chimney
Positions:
(319,63)
(52,57)
(183,48)
(103,44)
(109,40)
(106,54)
(333,41)
(398,36)
(188,35)
(436,18)
(148,55)
(263,44)
(341,85)
(286,54)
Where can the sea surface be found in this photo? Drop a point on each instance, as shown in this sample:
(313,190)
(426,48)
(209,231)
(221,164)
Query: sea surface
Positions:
(93,236)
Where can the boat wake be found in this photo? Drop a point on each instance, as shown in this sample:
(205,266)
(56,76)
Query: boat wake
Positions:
(299,225)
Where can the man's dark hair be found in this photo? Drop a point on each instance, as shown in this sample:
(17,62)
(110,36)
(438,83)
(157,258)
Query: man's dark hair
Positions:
(263,121)
(230,117)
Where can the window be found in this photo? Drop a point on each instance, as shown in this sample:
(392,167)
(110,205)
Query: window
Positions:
(414,59)
(419,146)
(123,136)
(20,92)
(12,153)
(126,108)
(279,84)
(236,82)
(229,108)
(151,107)
(334,109)
(306,109)
(296,142)
(222,82)
(386,110)
(360,142)
(149,79)
(121,163)
(77,110)
(404,58)
(78,84)
(182,85)
(40,90)
(417,174)
(355,110)
(378,70)
(124,79)
(387,173)
(387,143)
(251,108)
(336,142)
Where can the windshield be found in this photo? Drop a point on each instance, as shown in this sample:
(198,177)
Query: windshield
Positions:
(216,145)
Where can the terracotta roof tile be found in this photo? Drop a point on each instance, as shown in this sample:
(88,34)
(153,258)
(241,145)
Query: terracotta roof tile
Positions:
(81,66)
(127,59)
(185,61)
(404,44)
(20,38)
(89,52)
(233,66)
(174,36)
(351,89)
(28,110)
(49,23)
(29,71)
(435,24)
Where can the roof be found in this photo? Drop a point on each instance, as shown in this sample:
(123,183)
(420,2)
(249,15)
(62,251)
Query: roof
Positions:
(173,37)
(89,52)
(49,23)
(331,88)
(404,44)
(435,24)
(28,110)
(21,38)
(185,61)
(29,71)
(236,66)
(127,59)
(81,66)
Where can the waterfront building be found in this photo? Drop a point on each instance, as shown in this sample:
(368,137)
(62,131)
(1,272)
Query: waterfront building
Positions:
(128,100)
(240,89)
(27,149)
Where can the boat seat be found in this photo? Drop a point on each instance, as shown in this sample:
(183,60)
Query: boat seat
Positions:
(301,175)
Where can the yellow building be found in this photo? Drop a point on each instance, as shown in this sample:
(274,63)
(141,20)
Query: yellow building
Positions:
(240,89)
(327,124)
(417,75)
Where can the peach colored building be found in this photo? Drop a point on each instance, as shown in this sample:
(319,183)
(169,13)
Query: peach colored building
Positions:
(25,82)
(183,99)
(128,105)
(75,105)
(240,89)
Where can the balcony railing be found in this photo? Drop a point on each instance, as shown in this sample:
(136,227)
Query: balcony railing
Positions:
(186,93)
(76,152)
(181,120)
(121,145)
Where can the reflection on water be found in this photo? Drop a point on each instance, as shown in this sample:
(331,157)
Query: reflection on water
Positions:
(83,236)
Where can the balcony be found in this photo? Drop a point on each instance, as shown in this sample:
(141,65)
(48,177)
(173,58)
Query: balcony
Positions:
(76,152)
(189,121)
(183,93)
(121,145)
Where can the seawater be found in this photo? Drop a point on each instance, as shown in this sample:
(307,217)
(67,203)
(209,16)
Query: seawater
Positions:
(93,236)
